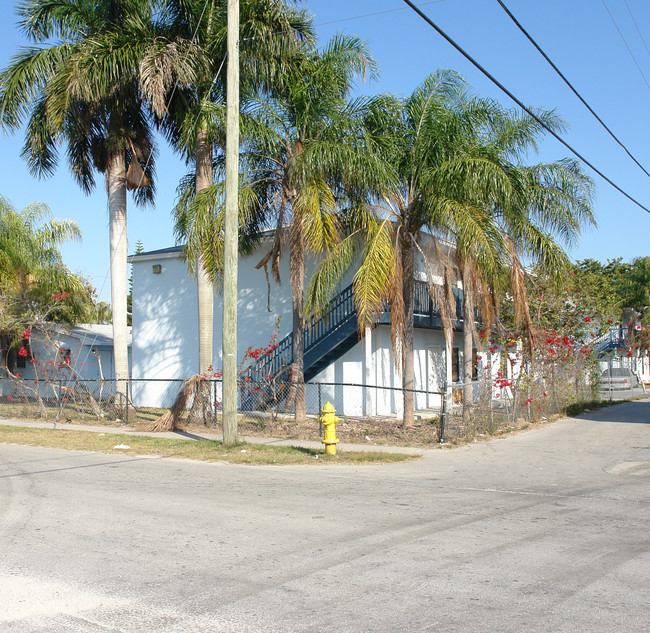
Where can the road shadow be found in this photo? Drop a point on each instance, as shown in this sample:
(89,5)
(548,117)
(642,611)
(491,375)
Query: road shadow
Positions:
(636,412)
(192,436)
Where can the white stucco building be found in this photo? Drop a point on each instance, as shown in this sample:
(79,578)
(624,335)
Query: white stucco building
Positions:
(59,354)
(165,337)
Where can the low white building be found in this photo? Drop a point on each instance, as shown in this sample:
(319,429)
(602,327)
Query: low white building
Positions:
(56,354)
(355,375)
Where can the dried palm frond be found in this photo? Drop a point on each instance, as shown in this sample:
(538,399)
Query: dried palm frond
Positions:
(135,176)
(171,420)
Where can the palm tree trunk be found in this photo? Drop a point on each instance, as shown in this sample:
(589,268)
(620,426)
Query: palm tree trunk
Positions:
(408,286)
(200,411)
(116,175)
(203,283)
(468,348)
(297,294)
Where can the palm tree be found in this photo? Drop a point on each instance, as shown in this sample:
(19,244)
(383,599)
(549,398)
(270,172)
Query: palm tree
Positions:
(187,93)
(297,157)
(452,157)
(530,208)
(29,249)
(83,93)
(308,158)
(430,145)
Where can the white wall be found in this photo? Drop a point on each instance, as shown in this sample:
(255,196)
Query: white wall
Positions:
(165,336)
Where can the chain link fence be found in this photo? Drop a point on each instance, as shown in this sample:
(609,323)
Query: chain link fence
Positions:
(368,413)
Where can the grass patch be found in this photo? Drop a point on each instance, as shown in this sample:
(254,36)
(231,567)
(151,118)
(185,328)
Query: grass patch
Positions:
(201,450)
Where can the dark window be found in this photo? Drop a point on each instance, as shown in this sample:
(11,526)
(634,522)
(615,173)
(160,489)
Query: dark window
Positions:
(474,365)
(455,365)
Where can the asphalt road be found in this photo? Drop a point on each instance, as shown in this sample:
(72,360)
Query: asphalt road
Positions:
(544,531)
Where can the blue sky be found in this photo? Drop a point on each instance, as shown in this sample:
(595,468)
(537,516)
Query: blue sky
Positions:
(579,36)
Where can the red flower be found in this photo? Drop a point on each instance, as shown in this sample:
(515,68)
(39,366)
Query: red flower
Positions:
(19,375)
(588,319)
(539,408)
(26,333)
(566,340)
(9,398)
(22,352)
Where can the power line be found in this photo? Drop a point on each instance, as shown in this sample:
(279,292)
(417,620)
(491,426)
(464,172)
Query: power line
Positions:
(637,27)
(370,15)
(528,111)
(568,83)
(351,18)
(629,50)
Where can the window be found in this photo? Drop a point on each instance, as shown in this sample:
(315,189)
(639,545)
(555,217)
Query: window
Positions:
(474,364)
(455,365)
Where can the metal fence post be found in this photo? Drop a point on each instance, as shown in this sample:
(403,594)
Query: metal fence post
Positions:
(443,415)
(320,409)
(126,404)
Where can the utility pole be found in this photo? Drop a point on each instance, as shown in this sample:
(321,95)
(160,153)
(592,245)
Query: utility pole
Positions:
(231,229)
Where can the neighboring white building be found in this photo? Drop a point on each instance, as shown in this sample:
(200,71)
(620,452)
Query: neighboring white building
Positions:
(87,349)
(165,337)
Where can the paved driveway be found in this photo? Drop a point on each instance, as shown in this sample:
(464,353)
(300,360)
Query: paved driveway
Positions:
(543,531)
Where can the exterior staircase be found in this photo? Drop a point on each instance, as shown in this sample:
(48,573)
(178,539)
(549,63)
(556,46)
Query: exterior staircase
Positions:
(325,340)
(605,344)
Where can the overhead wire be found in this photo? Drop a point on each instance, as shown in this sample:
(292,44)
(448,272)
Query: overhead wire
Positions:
(629,50)
(637,27)
(568,83)
(518,101)
(355,17)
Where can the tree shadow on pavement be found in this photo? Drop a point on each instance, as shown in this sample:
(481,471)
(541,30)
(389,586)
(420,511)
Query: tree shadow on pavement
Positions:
(634,412)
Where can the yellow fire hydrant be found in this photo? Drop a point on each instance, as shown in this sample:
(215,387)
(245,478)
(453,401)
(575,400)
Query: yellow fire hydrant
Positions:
(328,420)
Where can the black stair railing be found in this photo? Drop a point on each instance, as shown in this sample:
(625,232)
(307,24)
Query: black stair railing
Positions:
(339,310)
